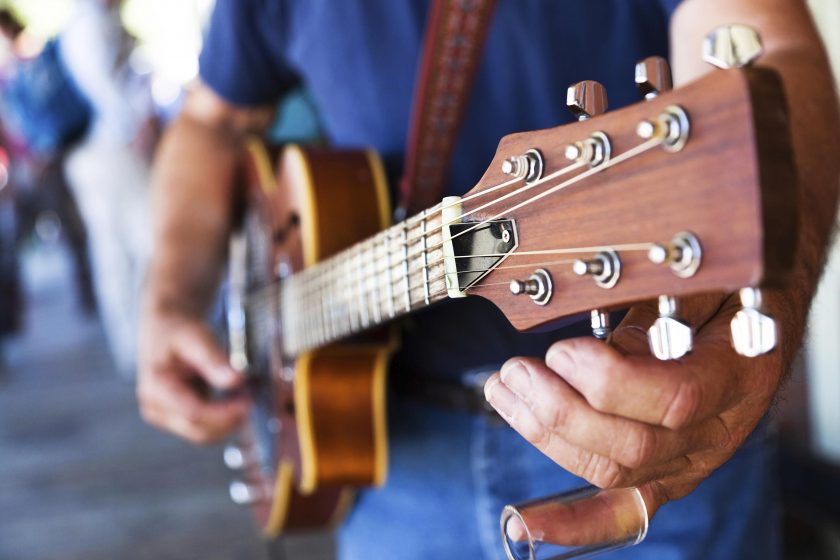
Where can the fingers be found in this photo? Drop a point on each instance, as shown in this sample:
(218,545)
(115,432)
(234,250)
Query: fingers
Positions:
(194,345)
(672,394)
(561,409)
(179,359)
(170,402)
(581,460)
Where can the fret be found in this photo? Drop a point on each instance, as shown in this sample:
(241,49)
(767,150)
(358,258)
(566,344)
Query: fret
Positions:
(406,283)
(392,312)
(373,279)
(361,286)
(327,297)
(425,256)
(349,290)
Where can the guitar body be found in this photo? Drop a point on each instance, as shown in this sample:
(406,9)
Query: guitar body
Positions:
(318,425)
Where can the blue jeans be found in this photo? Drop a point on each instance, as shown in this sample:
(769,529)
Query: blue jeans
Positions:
(452,473)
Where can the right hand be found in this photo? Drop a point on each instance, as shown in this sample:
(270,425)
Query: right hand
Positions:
(180,363)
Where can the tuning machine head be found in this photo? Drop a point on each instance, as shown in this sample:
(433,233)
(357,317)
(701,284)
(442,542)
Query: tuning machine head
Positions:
(669,337)
(653,76)
(754,332)
(732,46)
(587,99)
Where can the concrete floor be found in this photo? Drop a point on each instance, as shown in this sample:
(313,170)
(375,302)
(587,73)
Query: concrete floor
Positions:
(81,476)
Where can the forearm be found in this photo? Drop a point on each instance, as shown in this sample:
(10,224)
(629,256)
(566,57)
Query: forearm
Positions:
(192,191)
(793,49)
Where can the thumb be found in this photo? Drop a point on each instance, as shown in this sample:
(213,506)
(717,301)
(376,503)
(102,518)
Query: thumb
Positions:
(195,345)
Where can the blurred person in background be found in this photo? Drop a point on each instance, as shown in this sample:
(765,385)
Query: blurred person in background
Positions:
(36,136)
(689,432)
(108,171)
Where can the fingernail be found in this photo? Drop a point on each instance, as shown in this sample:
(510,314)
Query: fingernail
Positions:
(516,378)
(500,397)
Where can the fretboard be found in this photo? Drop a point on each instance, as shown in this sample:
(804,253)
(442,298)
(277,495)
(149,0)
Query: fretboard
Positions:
(391,274)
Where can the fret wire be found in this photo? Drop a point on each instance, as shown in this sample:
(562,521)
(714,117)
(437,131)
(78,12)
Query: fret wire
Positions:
(360,293)
(391,308)
(426,296)
(377,315)
(407,284)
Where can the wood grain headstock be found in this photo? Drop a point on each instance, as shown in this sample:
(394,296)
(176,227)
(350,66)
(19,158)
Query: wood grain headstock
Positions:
(732,185)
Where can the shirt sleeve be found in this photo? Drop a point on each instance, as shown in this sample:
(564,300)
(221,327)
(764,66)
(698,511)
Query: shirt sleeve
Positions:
(670,6)
(243,55)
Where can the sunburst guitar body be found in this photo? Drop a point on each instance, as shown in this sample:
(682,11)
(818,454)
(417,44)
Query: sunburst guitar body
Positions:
(317,427)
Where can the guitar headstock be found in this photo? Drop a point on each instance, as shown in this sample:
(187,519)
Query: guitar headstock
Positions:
(689,191)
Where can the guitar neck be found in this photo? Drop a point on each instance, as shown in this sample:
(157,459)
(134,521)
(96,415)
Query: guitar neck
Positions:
(393,273)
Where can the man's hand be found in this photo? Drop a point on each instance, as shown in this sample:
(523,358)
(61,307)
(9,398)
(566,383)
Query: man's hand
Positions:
(193,188)
(180,365)
(616,416)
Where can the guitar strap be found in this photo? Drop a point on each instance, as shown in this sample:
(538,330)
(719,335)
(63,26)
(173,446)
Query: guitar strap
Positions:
(455,35)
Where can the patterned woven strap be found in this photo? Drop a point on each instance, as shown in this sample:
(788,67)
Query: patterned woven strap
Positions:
(454,41)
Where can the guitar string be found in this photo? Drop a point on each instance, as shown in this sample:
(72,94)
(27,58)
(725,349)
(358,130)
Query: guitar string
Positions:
(344,324)
(633,152)
(625,247)
(375,242)
(328,279)
(655,141)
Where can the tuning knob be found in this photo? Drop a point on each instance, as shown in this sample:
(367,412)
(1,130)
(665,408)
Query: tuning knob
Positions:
(732,46)
(753,331)
(234,458)
(653,76)
(539,287)
(669,338)
(587,99)
(244,494)
(600,323)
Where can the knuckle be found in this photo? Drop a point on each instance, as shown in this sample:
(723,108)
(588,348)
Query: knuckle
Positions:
(534,432)
(599,393)
(683,404)
(603,472)
(191,414)
(637,449)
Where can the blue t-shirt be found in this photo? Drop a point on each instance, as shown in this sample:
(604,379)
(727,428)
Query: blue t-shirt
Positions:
(358,60)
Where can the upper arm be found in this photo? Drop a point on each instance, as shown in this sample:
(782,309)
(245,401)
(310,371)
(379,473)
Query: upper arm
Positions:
(204,106)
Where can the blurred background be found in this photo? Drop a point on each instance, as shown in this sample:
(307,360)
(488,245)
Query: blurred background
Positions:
(81,476)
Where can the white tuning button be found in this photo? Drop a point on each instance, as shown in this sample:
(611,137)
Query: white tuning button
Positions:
(732,46)
(244,494)
(234,458)
(754,332)
(600,322)
(669,338)
(653,76)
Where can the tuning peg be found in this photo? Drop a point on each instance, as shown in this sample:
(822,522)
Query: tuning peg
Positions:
(600,322)
(605,268)
(653,76)
(669,338)
(732,46)
(753,331)
(244,494)
(539,287)
(683,254)
(587,99)
(234,458)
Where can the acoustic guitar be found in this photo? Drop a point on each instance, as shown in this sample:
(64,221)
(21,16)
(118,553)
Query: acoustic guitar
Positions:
(686,192)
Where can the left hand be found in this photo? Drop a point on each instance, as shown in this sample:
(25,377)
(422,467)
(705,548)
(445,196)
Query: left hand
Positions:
(618,417)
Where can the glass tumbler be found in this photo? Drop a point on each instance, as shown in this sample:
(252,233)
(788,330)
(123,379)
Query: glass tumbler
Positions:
(575,524)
